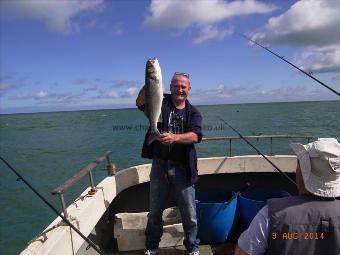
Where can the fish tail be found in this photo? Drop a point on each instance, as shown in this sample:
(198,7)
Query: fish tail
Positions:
(153,135)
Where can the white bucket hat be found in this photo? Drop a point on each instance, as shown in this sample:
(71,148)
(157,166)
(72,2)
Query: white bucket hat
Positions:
(320,166)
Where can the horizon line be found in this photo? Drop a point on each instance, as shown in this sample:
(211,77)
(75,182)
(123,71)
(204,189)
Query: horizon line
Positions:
(128,107)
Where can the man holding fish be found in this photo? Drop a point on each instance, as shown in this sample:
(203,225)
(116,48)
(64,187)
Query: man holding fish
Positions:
(175,126)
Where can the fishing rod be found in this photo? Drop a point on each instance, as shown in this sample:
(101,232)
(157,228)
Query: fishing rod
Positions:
(258,151)
(52,207)
(288,62)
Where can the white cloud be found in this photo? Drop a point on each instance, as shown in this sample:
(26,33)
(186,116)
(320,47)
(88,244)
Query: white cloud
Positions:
(41,94)
(110,94)
(125,83)
(211,32)
(21,96)
(307,22)
(91,88)
(45,97)
(132,91)
(4,87)
(312,25)
(181,14)
(11,81)
(178,14)
(320,59)
(252,94)
(57,14)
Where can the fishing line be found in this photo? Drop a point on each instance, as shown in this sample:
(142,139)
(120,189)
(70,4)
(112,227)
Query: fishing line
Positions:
(52,207)
(258,151)
(288,62)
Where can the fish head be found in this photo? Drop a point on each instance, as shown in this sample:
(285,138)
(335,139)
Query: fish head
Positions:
(153,70)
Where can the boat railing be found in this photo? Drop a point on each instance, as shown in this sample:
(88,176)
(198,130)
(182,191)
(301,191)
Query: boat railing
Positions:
(111,169)
(249,137)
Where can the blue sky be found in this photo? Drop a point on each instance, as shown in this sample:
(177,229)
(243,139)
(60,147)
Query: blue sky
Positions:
(91,54)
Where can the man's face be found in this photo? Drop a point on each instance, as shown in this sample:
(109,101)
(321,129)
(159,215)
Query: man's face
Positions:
(179,88)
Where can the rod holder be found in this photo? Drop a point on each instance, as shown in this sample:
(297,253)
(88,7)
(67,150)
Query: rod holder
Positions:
(63,205)
(110,167)
(93,189)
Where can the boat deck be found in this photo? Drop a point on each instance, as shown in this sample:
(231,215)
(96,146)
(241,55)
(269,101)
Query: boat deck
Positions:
(127,201)
(225,249)
(220,249)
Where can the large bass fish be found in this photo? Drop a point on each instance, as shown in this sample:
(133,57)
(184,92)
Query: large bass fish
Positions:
(153,97)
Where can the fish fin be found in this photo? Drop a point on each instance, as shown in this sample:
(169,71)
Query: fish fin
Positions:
(153,135)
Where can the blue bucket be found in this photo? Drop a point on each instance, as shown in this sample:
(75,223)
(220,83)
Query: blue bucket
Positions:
(215,218)
(252,200)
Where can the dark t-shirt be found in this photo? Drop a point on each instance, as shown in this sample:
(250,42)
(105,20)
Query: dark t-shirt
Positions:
(177,125)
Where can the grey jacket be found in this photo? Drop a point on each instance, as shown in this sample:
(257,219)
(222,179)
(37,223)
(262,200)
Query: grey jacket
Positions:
(304,224)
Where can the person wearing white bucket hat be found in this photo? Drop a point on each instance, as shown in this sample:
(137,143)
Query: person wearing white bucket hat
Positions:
(320,166)
(308,223)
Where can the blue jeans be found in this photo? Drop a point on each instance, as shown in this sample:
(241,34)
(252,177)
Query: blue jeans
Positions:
(185,198)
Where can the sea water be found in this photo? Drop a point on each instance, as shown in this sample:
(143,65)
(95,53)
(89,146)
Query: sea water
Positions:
(49,148)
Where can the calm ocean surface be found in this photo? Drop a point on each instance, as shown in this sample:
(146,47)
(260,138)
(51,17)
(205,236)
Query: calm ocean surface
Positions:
(48,148)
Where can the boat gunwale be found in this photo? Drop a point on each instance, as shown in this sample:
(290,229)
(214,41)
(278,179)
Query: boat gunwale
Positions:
(98,203)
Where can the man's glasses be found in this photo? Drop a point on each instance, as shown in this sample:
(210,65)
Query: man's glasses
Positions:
(184,74)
